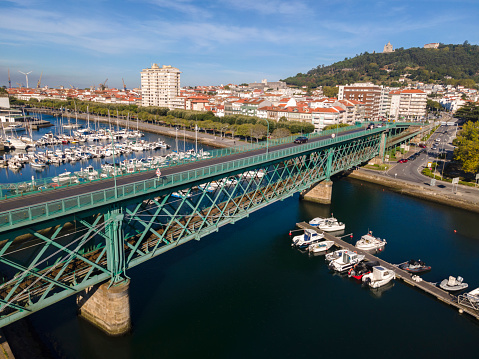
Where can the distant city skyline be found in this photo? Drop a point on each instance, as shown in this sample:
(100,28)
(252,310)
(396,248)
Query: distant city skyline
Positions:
(211,42)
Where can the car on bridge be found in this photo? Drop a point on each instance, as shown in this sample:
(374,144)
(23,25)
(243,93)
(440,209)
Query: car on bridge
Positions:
(301,139)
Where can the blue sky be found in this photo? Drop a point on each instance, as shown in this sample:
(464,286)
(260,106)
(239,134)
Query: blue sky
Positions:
(212,42)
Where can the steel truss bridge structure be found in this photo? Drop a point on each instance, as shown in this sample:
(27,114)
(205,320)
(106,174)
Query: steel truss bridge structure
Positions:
(56,244)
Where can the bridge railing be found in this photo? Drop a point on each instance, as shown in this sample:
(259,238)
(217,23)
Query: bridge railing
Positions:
(9,190)
(93,199)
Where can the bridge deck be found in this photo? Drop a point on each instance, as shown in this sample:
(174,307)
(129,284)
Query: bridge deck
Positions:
(76,190)
(427,287)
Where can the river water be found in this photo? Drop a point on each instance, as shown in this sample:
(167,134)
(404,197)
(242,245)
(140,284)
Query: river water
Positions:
(243,292)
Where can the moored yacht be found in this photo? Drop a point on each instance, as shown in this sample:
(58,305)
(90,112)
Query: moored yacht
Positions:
(369,243)
(378,277)
(304,240)
(348,260)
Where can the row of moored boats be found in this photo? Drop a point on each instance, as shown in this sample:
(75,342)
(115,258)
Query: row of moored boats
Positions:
(369,272)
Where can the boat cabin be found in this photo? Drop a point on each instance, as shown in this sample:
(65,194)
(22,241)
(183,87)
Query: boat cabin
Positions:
(310,235)
(380,273)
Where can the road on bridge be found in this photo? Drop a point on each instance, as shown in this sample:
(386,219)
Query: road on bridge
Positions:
(75,190)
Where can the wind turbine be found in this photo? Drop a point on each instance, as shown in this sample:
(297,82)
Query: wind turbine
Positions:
(26,75)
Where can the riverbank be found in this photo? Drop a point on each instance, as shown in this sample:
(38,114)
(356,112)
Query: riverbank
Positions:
(205,138)
(433,194)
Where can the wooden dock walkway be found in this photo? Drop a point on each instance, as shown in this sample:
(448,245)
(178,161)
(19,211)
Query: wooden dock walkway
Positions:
(405,276)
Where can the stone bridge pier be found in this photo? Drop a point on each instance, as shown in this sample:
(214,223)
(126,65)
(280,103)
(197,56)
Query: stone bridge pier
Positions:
(107,307)
(319,193)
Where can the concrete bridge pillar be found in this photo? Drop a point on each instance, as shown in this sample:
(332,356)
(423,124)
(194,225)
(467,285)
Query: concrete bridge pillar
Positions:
(319,193)
(107,308)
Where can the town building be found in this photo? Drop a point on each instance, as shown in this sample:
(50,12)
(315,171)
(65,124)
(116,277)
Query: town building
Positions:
(432,45)
(367,93)
(407,104)
(160,86)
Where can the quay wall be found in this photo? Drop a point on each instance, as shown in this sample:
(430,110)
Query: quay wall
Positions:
(432,194)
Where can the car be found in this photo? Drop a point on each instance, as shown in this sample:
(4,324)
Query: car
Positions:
(402,160)
(422,145)
(438,140)
(301,139)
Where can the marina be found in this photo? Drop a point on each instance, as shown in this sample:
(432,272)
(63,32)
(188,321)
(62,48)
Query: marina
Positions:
(427,287)
(47,153)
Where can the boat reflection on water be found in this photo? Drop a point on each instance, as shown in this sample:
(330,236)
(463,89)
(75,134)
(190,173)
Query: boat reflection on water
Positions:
(378,292)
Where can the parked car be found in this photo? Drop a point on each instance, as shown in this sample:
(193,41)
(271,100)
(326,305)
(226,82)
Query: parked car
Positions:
(422,145)
(402,160)
(301,139)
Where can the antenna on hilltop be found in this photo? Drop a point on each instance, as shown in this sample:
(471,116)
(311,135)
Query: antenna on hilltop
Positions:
(26,75)
(9,81)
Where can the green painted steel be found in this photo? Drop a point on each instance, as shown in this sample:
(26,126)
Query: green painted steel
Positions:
(56,249)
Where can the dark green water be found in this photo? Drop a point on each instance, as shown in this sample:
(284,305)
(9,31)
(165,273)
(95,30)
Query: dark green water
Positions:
(245,293)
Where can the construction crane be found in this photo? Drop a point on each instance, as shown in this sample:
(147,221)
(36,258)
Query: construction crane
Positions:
(103,85)
(9,81)
(19,85)
(124,86)
(39,80)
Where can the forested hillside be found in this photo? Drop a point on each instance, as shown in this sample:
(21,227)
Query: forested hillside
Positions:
(449,64)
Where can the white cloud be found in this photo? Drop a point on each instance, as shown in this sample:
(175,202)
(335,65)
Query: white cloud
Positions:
(269,7)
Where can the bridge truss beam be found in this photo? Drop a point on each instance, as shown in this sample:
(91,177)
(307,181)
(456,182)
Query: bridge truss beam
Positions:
(52,262)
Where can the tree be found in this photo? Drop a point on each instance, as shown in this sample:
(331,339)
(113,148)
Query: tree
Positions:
(469,112)
(329,91)
(259,131)
(467,150)
(432,105)
(281,132)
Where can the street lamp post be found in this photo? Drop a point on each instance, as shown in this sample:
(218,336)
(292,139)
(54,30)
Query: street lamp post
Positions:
(114,164)
(267,135)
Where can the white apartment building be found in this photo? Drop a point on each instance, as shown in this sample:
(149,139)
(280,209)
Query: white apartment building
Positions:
(407,104)
(160,86)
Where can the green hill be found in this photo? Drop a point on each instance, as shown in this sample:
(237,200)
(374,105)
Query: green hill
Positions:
(449,64)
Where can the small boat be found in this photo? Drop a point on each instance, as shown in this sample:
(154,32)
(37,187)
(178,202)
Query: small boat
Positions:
(473,296)
(378,277)
(414,266)
(309,237)
(368,242)
(320,247)
(181,194)
(360,269)
(315,222)
(453,284)
(331,225)
(334,255)
(348,260)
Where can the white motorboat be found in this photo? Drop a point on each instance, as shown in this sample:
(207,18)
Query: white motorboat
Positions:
(320,247)
(64,178)
(348,260)
(334,255)
(378,277)
(369,242)
(181,194)
(453,284)
(304,240)
(254,174)
(473,296)
(331,225)
(315,222)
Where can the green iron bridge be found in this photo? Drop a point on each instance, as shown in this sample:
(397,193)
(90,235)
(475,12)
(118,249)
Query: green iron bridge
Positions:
(56,243)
